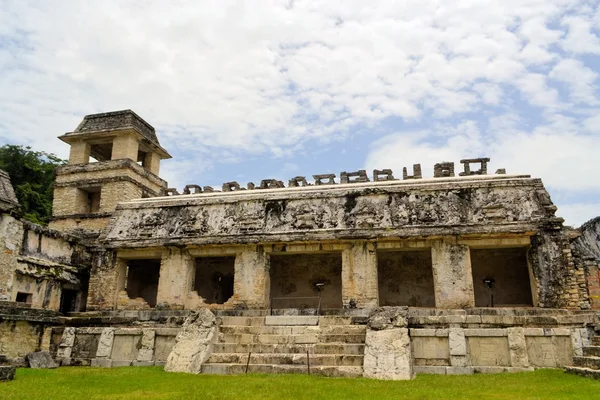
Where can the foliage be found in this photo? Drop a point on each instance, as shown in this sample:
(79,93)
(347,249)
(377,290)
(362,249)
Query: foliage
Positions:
(153,383)
(32,176)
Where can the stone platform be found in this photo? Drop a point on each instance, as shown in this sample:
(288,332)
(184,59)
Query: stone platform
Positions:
(465,341)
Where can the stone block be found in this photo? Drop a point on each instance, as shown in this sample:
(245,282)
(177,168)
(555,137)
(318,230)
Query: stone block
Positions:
(101,363)
(434,370)
(488,351)
(458,345)
(421,332)
(121,363)
(105,343)
(40,360)
(143,363)
(388,317)
(458,361)
(517,347)
(291,320)
(430,347)
(194,343)
(459,370)
(489,370)
(548,351)
(485,332)
(7,373)
(388,355)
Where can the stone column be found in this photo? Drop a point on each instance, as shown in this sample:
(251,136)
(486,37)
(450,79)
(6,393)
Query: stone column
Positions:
(452,275)
(107,278)
(80,153)
(252,280)
(176,276)
(125,146)
(359,276)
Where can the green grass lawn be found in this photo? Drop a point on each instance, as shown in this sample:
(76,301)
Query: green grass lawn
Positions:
(153,383)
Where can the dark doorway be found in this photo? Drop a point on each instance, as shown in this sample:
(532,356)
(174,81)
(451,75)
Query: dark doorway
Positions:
(214,278)
(23,297)
(501,277)
(298,280)
(68,301)
(405,278)
(142,280)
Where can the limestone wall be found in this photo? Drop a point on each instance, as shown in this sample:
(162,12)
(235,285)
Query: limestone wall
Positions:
(114,346)
(17,338)
(37,263)
(456,206)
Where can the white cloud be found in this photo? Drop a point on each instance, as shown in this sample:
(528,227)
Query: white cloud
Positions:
(236,79)
(553,151)
(580,37)
(579,78)
(243,74)
(575,214)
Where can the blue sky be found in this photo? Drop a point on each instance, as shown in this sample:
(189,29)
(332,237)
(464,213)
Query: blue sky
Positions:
(273,89)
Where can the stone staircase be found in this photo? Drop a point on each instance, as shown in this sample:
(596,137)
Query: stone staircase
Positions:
(589,364)
(332,345)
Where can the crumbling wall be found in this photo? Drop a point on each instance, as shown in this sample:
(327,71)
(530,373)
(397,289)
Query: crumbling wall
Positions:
(104,281)
(559,282)
(586,256)
(588,243)
(11,238)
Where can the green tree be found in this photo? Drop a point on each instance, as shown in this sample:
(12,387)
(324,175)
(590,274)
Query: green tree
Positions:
(32,176)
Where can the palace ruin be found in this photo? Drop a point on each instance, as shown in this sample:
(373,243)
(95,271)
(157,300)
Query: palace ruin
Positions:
(373,276)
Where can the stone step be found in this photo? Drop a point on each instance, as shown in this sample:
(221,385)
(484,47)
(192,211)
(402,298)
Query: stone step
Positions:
(287,359)
(323,320)
(291,320)
(591,351)
(324,348)
(596,341)
(330,371)
(345,312)
(294,330)
(587,372)
(290,339)
(587,362)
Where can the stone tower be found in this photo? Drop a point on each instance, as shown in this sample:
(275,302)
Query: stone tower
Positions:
(114,157)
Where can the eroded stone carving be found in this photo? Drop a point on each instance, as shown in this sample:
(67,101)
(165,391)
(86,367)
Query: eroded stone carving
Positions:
(319,179)
(383,175)
(443,170)
(271,184)
(194,343)
(208,189)
(230,186)
(187,189)
(467,166)
(359,176)
(297,181)
(417,174)
(251,186)
(388,352)
(171,192)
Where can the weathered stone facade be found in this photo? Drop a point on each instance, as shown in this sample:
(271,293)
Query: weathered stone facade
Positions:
(475,270)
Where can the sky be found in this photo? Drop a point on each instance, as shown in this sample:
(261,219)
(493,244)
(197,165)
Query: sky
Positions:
(250,90)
